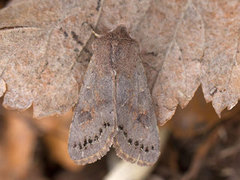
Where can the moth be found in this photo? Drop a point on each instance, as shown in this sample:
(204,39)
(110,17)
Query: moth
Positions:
(115,105)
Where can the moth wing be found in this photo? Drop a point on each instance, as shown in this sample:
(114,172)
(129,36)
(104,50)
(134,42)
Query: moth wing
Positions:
(93,125)
(137,138)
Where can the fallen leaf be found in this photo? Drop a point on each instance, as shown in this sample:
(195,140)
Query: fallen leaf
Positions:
(46,46)
(129,13)
(195,42)
(40,41)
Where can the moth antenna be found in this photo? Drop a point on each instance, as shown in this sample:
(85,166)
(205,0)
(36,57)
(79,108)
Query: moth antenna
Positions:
(96,34)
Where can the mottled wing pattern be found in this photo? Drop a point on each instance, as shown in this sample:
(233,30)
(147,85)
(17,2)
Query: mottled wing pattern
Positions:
(115,102)
(137,138)
(94,121)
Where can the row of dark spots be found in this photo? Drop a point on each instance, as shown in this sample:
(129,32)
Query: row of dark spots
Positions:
(106,124)
(136,143)
(92,140)
(98,5)
(64,32)
(74,36)
(86,141)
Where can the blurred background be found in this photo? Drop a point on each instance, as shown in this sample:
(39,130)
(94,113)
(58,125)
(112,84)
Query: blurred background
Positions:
(195,144)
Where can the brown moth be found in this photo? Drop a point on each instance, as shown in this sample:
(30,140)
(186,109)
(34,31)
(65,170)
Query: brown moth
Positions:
(115,105)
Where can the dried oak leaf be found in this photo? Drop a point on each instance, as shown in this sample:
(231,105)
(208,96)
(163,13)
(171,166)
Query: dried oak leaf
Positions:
(193,43)
(39,43)
(129,13)
(184,44)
